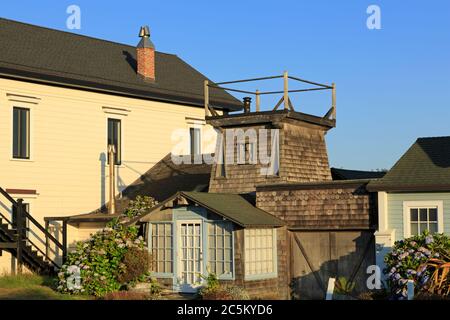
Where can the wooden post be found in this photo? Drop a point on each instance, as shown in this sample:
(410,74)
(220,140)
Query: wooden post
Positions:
(258,101)
(112,184)
(333,100)
(286,94)
(19,227)
(64,242)
(206,93)
(47,249)
(330,289)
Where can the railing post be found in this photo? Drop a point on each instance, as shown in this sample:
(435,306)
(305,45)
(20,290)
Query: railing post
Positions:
(258,100)
(64,236)
(206,94)
(286,94)
(333,100)
(20,229)
(47,249)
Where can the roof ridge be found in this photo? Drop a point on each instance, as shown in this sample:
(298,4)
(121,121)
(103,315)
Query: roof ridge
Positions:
(79,35)
(435,137)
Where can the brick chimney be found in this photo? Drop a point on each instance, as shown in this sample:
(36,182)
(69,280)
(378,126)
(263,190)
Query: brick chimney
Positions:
(145,55)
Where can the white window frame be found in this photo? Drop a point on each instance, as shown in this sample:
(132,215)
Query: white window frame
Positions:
(407,205)
(224,276)
(200,133)
(31,132)
(274,272)
(150,247)
(123,140)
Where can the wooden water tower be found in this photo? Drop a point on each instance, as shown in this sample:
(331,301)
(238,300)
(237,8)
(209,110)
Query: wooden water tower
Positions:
(294,142)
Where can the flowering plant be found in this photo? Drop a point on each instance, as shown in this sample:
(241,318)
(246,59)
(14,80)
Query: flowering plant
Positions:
(96,265)
(408,258)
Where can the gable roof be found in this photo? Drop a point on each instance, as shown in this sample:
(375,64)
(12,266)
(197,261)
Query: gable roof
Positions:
(345,174)
(230,206)
(165,178)
(55,57)
(424,167)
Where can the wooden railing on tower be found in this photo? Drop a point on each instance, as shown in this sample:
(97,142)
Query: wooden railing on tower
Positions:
(285,100)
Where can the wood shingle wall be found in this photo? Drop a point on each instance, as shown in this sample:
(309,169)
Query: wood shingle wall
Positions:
(302,158)
(327,205)
(274,288)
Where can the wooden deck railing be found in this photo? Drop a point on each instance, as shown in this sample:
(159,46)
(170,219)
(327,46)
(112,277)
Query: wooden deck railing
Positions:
(331,114)
(20,225)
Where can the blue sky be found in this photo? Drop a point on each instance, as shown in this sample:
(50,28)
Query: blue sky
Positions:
(393,84)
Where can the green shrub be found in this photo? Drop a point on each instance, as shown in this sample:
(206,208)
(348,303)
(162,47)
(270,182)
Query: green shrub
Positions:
(408,258)
(97,264)
(213,290)
(139,206)
(136,261)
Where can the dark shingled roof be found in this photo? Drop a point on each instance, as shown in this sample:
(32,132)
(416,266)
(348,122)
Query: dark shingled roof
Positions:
(165,178)
(233,207)
(424,167)
(345,174)
(60,58)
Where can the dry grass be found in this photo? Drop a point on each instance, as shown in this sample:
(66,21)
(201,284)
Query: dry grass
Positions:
(30,287)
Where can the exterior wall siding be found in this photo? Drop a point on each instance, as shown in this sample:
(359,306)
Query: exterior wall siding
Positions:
(303,158)
(395,209)
(333,207)
(68,144)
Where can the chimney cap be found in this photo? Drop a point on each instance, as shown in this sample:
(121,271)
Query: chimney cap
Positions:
(144,34)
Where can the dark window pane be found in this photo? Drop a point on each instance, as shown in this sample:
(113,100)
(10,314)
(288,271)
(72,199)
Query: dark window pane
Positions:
(21,133)
(114,138)
(432,214)
(423,227)
(414,229)
(414,214)
(423,214)
(195,141)
(433,228)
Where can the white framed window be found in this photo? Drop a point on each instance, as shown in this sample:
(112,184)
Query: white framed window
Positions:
(260,253)
(419,216)
(161,247)
(220,249)
(195,141)
(115,138)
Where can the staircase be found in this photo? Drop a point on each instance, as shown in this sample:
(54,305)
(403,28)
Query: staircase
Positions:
(13,239)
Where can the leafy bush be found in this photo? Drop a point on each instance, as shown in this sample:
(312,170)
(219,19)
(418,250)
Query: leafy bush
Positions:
(213,290)
(343,286)
(97,265)
(139,206)
(408,258)
(137,262)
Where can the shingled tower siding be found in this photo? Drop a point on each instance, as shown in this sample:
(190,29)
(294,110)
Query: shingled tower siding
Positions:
(303,152)
(146,62)
(322,206)
(303,158)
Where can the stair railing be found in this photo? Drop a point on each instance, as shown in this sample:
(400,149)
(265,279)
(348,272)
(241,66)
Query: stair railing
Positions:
(22,216)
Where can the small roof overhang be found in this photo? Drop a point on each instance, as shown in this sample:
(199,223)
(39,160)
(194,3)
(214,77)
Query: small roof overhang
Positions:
(232,207)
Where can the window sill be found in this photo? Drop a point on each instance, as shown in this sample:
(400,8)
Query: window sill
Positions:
(162,275)
(21,160)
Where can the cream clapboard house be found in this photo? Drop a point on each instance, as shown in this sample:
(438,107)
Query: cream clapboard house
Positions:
(64,97)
